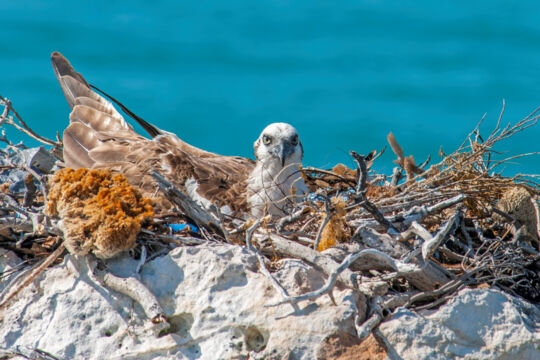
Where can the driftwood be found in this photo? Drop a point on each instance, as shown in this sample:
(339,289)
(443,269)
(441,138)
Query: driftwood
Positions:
(133,288)
(399,267)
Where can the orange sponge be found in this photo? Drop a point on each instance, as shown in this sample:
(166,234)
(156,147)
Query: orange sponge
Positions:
(334,232)
(100,211)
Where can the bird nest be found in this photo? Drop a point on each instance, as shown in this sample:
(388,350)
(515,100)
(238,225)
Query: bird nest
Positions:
(411,238)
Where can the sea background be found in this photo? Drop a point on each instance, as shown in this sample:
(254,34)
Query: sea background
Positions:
(344,73)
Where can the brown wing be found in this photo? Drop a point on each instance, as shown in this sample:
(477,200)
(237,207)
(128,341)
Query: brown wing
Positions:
(99,137)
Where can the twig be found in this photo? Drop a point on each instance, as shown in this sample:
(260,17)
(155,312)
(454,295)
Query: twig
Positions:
(5,118)
(424,164)
(177,240)
(190,207)
(449,287)
(440,300)
(134,289)
(38,269)
(446,204)
(400,267)
(251,230)
(537,210)
(429,247)
(378,155)
(364,202)
(397,175)
(290,218)
(142,260)
(363,330)
(329,213)
(416,229)
(31,354)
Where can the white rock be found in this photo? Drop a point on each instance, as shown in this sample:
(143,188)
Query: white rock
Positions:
(476,324)
(213,295)
(8,263)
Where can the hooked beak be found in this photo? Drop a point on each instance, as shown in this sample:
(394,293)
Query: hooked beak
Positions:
(282,151)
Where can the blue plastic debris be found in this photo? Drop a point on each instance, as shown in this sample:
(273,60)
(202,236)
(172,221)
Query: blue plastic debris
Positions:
(180,227)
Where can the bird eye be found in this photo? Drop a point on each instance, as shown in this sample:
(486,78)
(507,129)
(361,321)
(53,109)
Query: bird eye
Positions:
(294,140)
(267,139)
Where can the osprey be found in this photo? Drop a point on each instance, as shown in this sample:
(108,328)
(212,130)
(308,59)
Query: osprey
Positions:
(99,137)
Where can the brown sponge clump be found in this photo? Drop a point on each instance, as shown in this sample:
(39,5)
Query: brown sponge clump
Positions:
(518,202)
(100,211)
(334,232)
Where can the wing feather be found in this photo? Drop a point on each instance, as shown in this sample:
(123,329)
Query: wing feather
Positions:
(78,138)
(97,120)
(99,137)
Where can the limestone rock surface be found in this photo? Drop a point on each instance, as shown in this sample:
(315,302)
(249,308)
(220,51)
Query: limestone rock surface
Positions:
(476,324)
(213,295)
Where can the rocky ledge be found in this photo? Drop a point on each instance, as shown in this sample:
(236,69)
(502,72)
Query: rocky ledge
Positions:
(216,301)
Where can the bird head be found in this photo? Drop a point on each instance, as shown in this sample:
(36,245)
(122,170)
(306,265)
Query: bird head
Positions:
(279,144)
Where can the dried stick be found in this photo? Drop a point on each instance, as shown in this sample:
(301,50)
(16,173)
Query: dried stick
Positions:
(399,266)
(134,289)
(251,230)
(328,215)
(429,247)
(142,260)
(328,173)
(397,174)
(290,248)
(5,118)
(537,210)
(174,239)
(364,202)
(416,229)
(25,224)
(447,288)
(45,264)
(190,207)
(424,164)
(31,354)
(363,330)
(378,155)
(415,214)
(440,300)
(445,204)
(290,218)
(506,160)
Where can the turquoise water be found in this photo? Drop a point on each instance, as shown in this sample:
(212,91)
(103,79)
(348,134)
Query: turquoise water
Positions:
(343,73)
